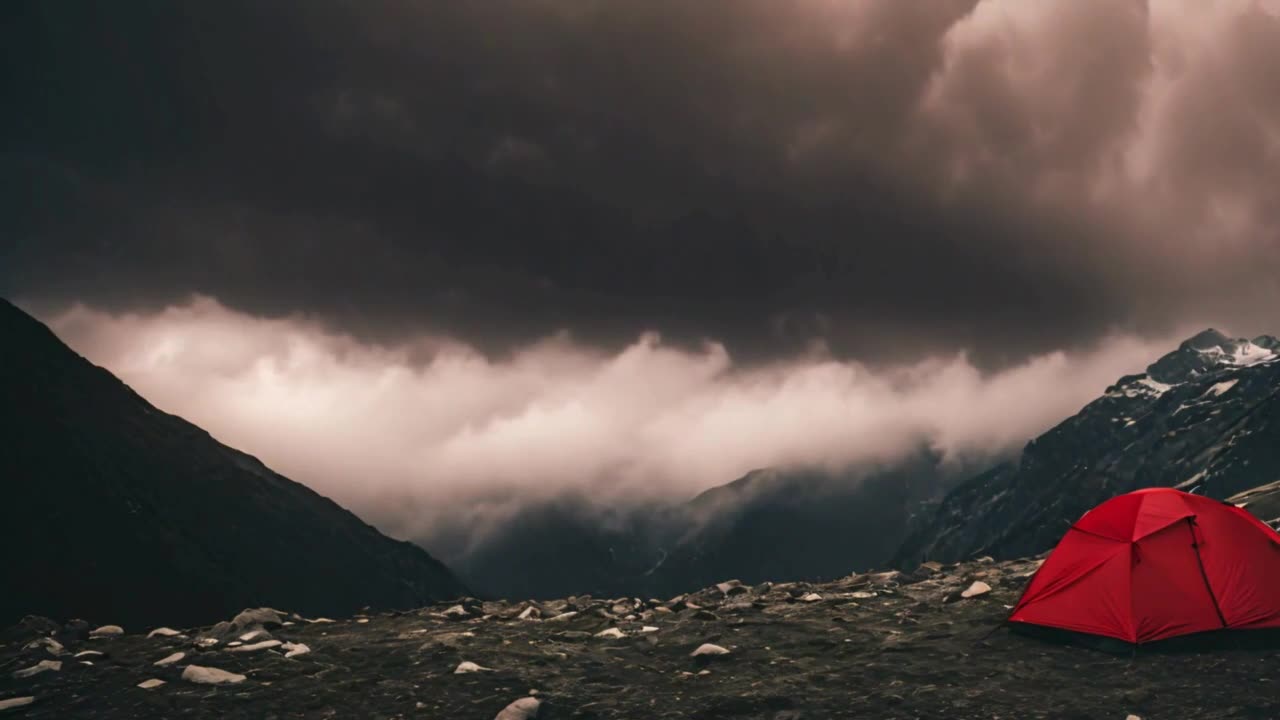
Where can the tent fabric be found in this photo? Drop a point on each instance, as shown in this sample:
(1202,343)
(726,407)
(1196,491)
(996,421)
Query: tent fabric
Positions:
(1155,564)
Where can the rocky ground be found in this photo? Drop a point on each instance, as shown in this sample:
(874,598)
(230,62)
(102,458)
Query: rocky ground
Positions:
(868,646)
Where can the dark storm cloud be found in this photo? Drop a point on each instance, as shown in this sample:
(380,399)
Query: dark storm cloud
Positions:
(896,178)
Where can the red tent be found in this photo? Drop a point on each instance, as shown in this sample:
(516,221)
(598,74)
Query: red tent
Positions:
(1157,563)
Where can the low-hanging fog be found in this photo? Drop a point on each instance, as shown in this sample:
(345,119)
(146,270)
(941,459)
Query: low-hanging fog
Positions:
(406,434)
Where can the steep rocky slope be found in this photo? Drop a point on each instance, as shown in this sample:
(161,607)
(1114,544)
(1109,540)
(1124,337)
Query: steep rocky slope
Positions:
(116,510)
(1204,418)
(886,646)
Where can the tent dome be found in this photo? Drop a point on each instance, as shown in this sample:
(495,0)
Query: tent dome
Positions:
(1155,564)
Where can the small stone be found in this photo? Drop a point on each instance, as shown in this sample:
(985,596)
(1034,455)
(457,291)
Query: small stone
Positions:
(107,631)
(294,649)
(163,632)
(42,666)
(563,616)
(986,560)
(708,650)
(362,621)
(206,642)
(976,589)
(648,629)
(522,709)
(530,613)
(467,666)
(1132,717)
(456,612)
(234,644)
(253,635)
(171,659)
(266,617)
(611,634)
(811,597)
(16,702)
(704,672)
(53,646)
(264,645)
(862,595)
(151,684)
(728,585)
(210,676)
(89,655)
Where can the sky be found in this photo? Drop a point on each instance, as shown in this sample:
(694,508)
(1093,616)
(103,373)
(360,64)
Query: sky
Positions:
(425,249)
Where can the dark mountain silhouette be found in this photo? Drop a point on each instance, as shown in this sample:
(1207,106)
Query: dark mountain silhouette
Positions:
(115,511)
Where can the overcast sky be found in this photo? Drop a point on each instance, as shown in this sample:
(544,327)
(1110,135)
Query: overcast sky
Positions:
(879,183)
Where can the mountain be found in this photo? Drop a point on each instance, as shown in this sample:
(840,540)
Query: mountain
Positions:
(772,523)
(114,511)
(1204,418)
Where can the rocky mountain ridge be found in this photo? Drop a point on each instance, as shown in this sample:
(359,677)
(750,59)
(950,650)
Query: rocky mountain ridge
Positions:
(1204,418)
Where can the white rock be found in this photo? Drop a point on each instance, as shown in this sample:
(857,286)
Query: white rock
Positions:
(648,629)
(163,632)
(811,597)
(862,595)
(206,642)
(210,676)
(1132,717)
(107,631)
(708,650)
(294,649)
(169,660)
(455,611)
(611,634)
(976,589)
(252,635)
(522,709)
(530,613)
(53,646)
(89,654)
(362,621)
(151,684)
(9,703)
(563,616)
(466,666)
(42,666)
(264,645)
(234,643)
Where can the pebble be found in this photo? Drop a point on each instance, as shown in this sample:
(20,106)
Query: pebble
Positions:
(457,611)
(708,650)
(811,597)
(151,684)
(206,642)
(253,635)
(648,629)
(530,613)
(53,646)
(264,645)
(42,666)
(563,616)
(611,634)
(170,659)
(1132,717)
(210,676)
(107,631)
(466,666)
(163,632)
(976,589)
(522,709)
(9,703)
(295,649)
(862,595)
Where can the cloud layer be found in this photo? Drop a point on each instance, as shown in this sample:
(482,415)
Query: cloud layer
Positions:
(405,434)
(896,178)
